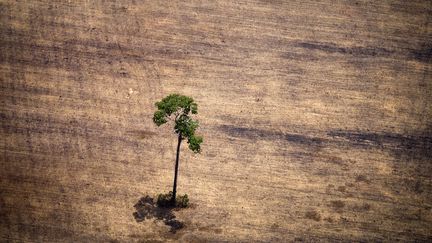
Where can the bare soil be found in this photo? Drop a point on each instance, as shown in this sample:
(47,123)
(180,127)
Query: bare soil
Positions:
(316,117)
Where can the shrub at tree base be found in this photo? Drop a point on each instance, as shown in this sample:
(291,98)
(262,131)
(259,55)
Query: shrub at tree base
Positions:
(165,200)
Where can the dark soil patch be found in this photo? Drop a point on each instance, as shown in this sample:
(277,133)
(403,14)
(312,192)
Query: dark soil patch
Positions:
(341,188)
(313,215)
(338,205)
(255,134)
(361,178)
(415,146)
(355,51)
(362,208)
(424,54)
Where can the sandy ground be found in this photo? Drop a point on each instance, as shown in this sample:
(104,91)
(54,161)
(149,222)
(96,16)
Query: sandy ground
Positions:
(316,117)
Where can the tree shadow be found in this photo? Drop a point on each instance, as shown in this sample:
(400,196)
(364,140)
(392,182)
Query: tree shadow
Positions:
(146,208)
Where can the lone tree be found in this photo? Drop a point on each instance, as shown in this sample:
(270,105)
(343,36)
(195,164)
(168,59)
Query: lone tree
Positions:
(177,108)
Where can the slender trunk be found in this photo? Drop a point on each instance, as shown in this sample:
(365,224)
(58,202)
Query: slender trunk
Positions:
(176,171)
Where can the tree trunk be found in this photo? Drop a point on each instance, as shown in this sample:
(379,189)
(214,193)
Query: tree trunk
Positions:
(173,199)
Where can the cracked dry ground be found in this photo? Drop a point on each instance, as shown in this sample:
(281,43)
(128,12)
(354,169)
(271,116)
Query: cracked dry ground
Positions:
(316,117)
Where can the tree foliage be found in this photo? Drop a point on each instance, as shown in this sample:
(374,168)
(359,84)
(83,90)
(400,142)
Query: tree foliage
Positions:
(179,108)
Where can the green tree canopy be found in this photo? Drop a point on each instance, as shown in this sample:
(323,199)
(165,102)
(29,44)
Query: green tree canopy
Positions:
(178,108)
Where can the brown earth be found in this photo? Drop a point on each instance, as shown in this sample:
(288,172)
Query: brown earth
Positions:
(316,117)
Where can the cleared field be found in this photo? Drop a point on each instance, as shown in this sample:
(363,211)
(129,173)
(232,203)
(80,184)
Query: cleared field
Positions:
(316,117)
